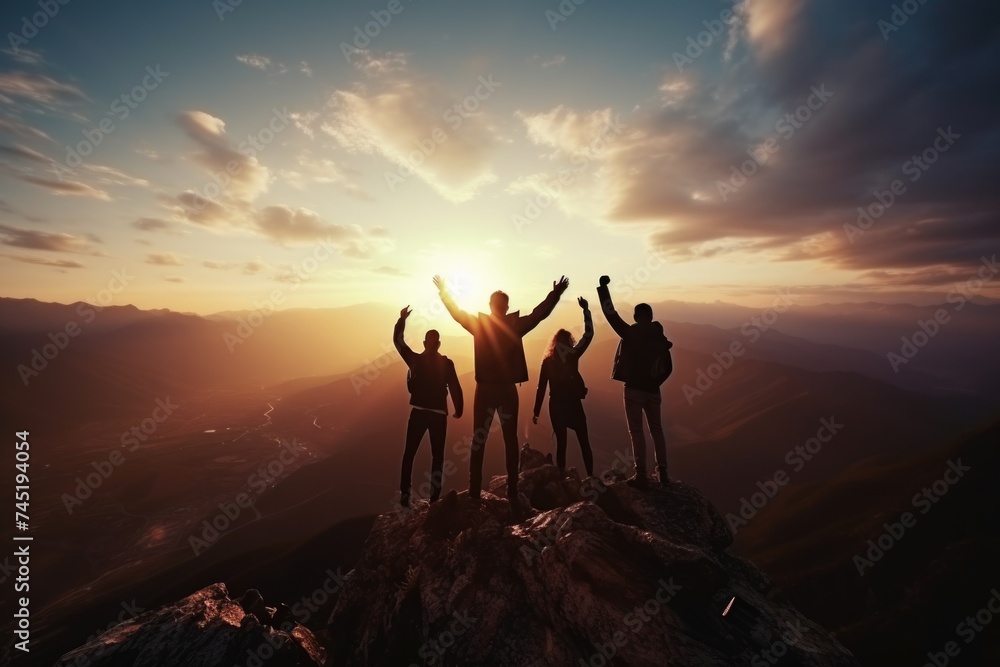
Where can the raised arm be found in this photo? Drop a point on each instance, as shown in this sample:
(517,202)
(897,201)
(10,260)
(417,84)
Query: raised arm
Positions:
(397,337)
(614,319)
(459,315)
(526,323)
(588,329)
(455,389)
(543,381)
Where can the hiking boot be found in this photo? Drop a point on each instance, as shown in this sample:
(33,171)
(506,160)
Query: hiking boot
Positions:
(663,475)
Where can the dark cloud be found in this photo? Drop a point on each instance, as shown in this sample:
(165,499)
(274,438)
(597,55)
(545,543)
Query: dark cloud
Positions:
(894,100)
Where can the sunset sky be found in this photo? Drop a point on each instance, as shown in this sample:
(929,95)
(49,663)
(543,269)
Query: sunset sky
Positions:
(434,147)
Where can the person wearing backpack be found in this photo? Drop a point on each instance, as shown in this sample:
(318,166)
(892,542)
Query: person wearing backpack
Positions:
(643,363)
(561,371)
(430,378)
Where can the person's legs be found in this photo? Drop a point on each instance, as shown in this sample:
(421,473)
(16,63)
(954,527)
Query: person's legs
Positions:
(482,415)
(557,417)
(652,406)
(415,428)
(508,423)
(560,436)
(583,436)
(438,429)
(633,415)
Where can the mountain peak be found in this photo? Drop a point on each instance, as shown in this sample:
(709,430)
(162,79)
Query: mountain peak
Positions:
(600,573)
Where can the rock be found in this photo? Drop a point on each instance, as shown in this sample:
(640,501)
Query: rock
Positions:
(205,629)
(599,573)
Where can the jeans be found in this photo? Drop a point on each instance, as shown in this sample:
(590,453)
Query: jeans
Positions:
(501,399)
(637,403)
(437,425)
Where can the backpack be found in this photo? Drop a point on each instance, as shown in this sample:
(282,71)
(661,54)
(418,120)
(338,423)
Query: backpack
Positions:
(426,377)
(649,358)
(663,363)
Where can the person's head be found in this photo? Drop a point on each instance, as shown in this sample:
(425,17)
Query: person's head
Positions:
(563,340)
(499,303)
(643,313)
(432,340)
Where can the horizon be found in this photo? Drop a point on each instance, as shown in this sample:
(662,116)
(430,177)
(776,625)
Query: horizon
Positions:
(977,300)
(217,160)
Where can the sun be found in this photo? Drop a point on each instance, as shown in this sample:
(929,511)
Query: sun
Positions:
(465,284)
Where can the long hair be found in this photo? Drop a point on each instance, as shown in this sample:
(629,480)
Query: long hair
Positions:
(563,340)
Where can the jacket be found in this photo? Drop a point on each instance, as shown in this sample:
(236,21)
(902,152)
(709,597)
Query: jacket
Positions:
(431,376)
(497,340)
(640,351)
(561,371)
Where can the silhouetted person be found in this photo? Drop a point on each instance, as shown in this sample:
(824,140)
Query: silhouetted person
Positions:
(430,378)
(643,363)
(500,365)
(561,372)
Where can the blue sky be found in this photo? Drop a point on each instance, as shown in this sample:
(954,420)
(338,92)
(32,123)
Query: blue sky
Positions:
(649,152)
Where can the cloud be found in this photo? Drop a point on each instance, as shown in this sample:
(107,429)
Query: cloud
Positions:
(25,153)
(374,63)
(421,128)
(305,68)
(52,241)
(14,125)
(257,62)
(175,279)
(325,172)
(150,154)
(288,225)
(887,102)
(192,207)
(568,131)
(153,224)
(554,61)
(217,154)
(254,267)
(219,266)
(110,176)
(163,259)
(72,188)
(40,90)
(24,56)
(44,261)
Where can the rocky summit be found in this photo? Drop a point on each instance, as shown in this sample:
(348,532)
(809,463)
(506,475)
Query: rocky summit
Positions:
(585,573)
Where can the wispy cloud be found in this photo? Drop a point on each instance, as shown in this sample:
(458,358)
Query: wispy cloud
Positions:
(44,261)
(164,259)
(418,126)
(153,224)
(38,240)
(63,187)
